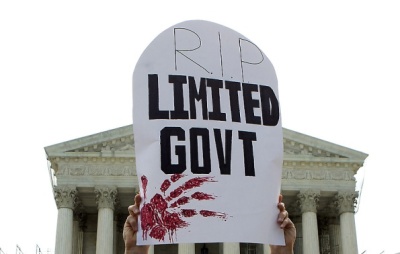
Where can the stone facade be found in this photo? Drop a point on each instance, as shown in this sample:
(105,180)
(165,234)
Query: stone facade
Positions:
(94,180)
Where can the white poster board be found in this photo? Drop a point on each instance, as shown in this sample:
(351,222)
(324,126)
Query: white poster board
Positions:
(208,138)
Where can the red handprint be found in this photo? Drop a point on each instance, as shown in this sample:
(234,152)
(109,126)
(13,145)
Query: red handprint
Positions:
(157,221)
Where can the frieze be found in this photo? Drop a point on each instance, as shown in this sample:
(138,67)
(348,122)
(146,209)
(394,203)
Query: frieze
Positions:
(296,148)
(319,175)
(94,170)
(297,163)
(344,175)
(119,144)
(296,174)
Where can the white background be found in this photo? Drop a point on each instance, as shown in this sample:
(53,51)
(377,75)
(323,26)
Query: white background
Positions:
(66,71)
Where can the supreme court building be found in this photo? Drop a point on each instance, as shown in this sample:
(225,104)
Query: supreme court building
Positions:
(94,181)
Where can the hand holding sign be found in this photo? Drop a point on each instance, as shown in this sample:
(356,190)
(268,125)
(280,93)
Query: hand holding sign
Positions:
(131,226)
(207,133)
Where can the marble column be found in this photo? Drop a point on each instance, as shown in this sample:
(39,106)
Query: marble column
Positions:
(105,199)
(231,248)
(308,203)
(186,248)
(346,202)
(65,197)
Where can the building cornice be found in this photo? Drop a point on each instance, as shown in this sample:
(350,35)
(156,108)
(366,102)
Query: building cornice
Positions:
(98,140)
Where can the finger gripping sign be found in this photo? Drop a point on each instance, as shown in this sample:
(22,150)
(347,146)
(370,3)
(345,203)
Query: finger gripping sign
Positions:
(208,138)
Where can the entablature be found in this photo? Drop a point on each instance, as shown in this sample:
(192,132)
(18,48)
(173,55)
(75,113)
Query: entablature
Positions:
(299,162)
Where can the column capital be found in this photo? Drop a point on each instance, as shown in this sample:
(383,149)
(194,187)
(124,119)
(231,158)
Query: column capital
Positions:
(308,200)
(346,201)
(106,196)
(65,196)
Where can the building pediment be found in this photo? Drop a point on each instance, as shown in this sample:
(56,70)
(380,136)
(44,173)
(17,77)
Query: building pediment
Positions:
(118,140)
(301,145)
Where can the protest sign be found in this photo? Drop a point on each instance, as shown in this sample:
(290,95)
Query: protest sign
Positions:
(208,138)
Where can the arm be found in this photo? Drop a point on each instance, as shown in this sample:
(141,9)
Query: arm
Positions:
(289,231)
(130,230)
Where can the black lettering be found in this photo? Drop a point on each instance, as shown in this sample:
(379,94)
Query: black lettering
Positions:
(224,159)
(248,138)
(241,46)
(194,151)
(200,95)
(178,112)
(220,54)
(250,103)
(234,88)
(216,114)
(165,146)
(269,106)
(154,100)
(181,51)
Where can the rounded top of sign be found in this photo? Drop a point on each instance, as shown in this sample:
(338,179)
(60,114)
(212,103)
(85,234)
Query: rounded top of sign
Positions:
(205,49)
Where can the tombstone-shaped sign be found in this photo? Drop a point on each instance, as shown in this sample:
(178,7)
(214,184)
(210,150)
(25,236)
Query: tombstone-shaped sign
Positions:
(208,138)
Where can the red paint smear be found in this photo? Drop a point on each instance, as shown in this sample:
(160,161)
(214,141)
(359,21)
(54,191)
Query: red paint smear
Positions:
(176,177)
(158,232)
(202,196)
(172,222)
(144,184)
(188,212)
(190,184)
(159,203)
(175,193)
(165,185)
(147,219)
(196,182)
(207,213)
(180,201)
(157,222)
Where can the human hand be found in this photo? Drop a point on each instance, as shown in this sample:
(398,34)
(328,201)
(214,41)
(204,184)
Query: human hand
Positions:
(288,228)
(131,228)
